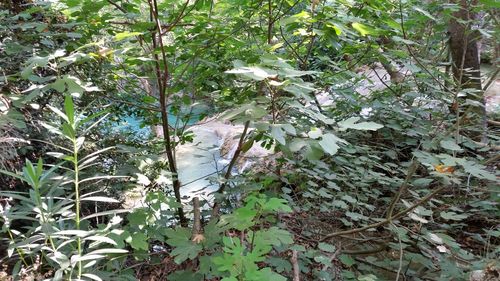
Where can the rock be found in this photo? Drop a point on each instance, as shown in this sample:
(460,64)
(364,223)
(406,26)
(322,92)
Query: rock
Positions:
(492,98)
(248,160)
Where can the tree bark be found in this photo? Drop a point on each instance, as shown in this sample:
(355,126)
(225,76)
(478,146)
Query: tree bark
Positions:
(163,77)
(464,46)
(465,55)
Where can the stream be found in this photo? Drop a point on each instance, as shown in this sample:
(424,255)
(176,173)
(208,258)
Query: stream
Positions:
(200,162)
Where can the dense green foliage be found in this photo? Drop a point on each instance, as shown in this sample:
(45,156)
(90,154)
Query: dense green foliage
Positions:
(381,164)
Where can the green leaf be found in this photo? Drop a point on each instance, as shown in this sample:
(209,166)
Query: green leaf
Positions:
(422,182)
(79,233)
(329,143)
(68,131)
(92,276)
(278,134)
(69,108)
(273,236)
(281,265)
(139,241)
(253,72)
(102,239)
(315,133)
(59,85)
(240,219)
(177,234)
(301,17)
(477,170)
(349,199)
(138,217)
(266,274)
(296,144)
(451,145)
(326,247)
(125,35)
(276,204)
(314,152)
(100,199)
(323,260)
(364,29)
(402,40)
(247,145)
(58,112)
(339,203)
(452,216)
(108,251)
(425,13)
(493,4)
(351,124)
(346,260)
(367,277)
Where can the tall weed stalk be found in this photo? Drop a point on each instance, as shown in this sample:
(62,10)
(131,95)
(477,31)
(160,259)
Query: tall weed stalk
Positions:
(57,234)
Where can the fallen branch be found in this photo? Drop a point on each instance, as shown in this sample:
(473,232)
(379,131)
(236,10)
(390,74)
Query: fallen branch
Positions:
(494,123)
(366,251)
(492,160)
(387,220)
(482,144)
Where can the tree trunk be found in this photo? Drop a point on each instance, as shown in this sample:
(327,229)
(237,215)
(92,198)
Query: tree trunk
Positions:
(464,46)
(465,54)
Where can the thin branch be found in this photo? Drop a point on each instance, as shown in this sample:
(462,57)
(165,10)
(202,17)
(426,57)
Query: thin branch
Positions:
(162,79)
(400,267)
(291,47)
(410,51)
(117,6)
(180,16)
(216,207)
(491,79)
(402,189)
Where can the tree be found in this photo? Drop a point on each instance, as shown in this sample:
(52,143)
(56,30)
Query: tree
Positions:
(465,54)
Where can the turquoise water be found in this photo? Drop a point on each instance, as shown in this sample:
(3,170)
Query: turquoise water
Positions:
(135,124)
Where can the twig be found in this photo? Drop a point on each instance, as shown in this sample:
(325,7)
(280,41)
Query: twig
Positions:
(410,51)
(492,159)
(400,255)
(402,189)
(179,17)
(483,144)
(117,6)
(384,83)
(365,252)
(332,257)
(491,79)
(297,56)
